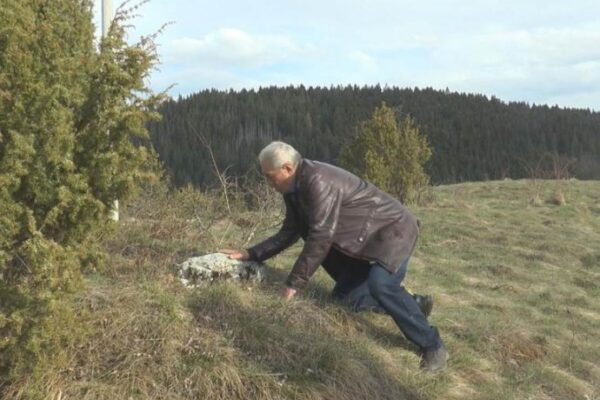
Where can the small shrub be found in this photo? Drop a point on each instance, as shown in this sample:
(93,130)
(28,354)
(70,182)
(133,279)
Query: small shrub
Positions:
(558,199)
(389,154)
(535,200)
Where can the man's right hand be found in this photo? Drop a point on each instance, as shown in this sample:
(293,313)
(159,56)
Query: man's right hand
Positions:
(241,255)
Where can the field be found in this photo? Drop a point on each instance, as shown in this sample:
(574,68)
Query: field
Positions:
(514,268)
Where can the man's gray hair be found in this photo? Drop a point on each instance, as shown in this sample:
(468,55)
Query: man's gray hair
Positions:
(276,154)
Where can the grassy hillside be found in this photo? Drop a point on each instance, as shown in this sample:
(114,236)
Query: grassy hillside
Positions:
(514,272)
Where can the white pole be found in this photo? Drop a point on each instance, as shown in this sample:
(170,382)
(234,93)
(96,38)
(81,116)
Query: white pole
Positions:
(106,20)
(106,16)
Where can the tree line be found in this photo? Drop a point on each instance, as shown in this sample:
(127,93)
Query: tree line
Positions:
(473,137)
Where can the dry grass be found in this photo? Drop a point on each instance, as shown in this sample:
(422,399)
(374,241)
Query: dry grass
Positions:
(515,287)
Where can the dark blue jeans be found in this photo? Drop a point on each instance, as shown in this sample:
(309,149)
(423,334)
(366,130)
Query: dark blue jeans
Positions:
(381,291)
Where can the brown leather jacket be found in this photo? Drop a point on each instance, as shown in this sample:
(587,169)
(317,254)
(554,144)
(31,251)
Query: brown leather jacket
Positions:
(331,207)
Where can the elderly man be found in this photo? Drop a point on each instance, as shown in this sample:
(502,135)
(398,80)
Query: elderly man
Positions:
(345,220)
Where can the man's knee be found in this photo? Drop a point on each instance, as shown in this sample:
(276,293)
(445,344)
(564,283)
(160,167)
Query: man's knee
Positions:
(378,286)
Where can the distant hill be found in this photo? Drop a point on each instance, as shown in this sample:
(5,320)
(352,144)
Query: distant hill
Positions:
(474,137)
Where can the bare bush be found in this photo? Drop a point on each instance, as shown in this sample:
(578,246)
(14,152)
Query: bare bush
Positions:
(558,199)
(551,166)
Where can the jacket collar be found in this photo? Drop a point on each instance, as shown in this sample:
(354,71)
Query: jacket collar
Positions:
(297,177)
(299,174)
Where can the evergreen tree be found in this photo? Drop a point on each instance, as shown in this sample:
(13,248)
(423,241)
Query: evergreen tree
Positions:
(68,117)
(473,137)
(389,155)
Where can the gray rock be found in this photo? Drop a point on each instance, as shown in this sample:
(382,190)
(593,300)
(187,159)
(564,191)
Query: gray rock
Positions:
(196,271)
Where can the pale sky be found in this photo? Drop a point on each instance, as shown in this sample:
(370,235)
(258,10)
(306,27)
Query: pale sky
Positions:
(542,52)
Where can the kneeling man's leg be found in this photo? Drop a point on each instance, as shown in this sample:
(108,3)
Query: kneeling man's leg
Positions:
(358,298)
(385,288)
(355,294)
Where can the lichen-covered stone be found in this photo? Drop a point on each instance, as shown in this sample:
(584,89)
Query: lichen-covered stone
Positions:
(198,270)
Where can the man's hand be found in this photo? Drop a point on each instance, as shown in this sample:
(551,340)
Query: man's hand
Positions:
(287,292)
(241,255)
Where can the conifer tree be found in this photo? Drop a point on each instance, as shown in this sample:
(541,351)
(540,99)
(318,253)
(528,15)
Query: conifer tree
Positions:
(389,154)
(68,117)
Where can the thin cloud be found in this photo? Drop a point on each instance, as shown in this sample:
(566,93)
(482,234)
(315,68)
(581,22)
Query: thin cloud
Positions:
(364,60)
(233,48)
(536,65)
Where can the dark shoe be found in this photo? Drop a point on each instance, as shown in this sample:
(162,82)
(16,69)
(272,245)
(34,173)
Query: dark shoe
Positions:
(425,303)
(434,360)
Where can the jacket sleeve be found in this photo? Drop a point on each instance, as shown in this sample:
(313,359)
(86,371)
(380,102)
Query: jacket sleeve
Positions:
(324,201)
(288,234)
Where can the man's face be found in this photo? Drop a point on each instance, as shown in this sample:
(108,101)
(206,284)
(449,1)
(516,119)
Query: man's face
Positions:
(281,179)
